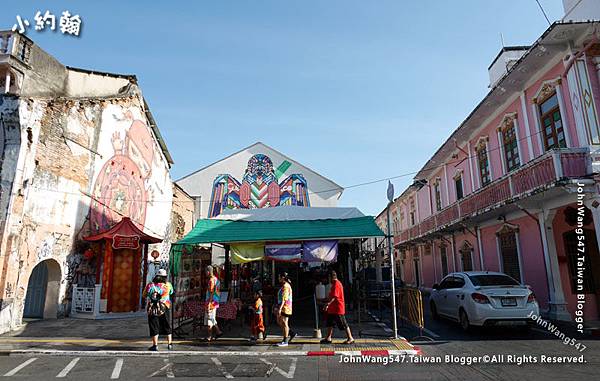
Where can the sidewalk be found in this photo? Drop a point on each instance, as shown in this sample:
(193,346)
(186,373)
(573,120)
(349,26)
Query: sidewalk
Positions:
(130,336)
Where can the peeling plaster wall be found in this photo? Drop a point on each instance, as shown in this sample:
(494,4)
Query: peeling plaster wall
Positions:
(65,186)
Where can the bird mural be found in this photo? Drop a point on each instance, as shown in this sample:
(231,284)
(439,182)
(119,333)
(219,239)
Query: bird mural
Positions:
(260,188)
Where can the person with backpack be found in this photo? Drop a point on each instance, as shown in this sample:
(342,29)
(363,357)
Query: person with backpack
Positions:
(158,294)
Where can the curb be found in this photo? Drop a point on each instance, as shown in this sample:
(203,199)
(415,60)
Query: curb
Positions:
(102,353)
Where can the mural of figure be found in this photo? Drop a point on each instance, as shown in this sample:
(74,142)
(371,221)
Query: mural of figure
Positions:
(260,188)
(122,186)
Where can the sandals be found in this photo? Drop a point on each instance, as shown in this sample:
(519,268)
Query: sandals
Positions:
(349,341)
(325,341)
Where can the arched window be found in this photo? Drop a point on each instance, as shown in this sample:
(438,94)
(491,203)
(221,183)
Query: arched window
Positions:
(507,134)
(547,107)
(483,162)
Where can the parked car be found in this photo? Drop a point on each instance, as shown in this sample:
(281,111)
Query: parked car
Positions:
(483,298)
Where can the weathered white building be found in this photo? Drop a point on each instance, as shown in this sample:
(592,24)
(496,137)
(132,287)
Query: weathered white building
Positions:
(79,150)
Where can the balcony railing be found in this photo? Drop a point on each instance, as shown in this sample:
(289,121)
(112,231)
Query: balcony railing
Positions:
(539,173)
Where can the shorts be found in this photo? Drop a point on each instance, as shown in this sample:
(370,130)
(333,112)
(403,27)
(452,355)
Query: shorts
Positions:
(210,318)
(339,320)
(160,325)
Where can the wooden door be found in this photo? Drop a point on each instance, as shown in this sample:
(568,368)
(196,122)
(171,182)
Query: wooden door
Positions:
(124,290)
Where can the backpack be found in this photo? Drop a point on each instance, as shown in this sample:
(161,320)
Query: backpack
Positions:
(156,307)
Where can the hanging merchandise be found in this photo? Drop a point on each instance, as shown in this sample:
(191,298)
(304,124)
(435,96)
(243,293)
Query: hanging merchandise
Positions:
(247,252)
(284,251)
(320,251)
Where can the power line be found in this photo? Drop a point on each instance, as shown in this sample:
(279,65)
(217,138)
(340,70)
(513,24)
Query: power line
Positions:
(431,169)
(543,11)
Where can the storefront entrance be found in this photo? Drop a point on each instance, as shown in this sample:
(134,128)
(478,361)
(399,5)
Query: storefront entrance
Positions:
(124,296)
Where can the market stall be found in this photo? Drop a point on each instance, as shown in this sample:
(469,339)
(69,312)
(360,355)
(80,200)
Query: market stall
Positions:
(260,242)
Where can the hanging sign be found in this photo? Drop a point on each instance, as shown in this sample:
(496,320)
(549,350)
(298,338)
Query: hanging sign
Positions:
(126,242)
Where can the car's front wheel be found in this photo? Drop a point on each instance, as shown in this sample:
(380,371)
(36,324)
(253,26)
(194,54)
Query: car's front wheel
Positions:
(464,320)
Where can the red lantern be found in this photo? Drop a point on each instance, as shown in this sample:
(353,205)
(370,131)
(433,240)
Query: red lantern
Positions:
(155,254)
(89,254)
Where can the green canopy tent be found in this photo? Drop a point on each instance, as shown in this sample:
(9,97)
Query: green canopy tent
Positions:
(277,224)
(235,231)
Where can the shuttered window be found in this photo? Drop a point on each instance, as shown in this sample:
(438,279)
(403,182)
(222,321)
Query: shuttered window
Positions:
(444,260)
(511,150)
(552,126)
(484,166)
(509,254)
(466,257)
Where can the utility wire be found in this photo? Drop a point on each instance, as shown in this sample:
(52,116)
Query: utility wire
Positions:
(431,169)
(543,11)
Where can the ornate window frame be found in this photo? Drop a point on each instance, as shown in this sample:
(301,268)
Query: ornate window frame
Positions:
(510,228)
(546,90)
(482,145)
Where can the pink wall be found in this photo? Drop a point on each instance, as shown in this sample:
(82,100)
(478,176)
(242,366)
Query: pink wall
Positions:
(560,227)
(424,209)
(532,254)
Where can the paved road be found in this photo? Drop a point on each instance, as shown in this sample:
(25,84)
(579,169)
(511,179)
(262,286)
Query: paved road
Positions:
(156,368)
(522,345)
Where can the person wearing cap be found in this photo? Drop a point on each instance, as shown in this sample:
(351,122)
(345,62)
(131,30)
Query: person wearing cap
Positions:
(213,297)
(158,294)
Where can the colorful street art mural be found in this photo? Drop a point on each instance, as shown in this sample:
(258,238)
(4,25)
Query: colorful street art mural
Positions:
(122,186)
(260,187)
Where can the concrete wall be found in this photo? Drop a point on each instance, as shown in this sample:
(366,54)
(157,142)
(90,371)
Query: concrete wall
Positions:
(81,166)
(581,10)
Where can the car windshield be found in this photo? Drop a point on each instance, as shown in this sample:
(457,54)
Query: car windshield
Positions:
(492,280)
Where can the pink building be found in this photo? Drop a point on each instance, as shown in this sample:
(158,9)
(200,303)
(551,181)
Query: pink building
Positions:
(508,189)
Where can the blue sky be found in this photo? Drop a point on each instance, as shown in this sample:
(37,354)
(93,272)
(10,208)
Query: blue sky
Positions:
(356,90)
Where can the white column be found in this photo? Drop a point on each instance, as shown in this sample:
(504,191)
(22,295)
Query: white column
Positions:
(519,142)
(470,167)
(538,129)
(574,92)
(447,187)
(417,216)
(563,116)
(480,249)
(557,305)
(527,126)
(501,148)
(7,83)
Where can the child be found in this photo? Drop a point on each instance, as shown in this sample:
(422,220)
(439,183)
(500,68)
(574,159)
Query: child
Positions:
(258,325)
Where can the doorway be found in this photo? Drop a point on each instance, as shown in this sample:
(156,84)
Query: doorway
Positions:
(41,300)
(124,294)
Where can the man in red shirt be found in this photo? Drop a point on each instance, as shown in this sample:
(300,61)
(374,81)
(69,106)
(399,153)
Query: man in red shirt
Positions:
(336,309)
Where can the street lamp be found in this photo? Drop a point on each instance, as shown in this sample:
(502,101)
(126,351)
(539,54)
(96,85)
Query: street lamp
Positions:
(390,196)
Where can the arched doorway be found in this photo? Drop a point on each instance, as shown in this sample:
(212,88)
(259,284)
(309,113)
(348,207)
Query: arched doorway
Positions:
(42,290)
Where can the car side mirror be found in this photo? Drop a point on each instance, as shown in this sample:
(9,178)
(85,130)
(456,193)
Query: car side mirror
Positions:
(436,286)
